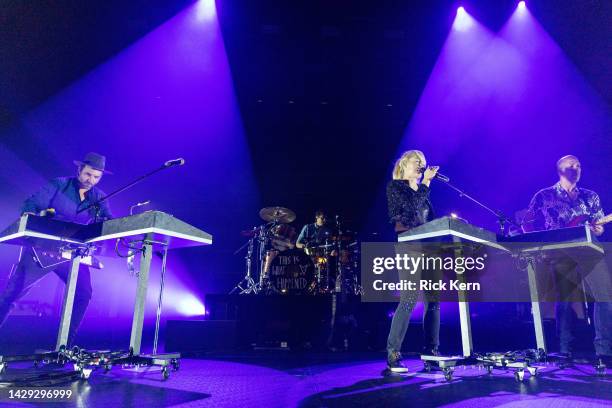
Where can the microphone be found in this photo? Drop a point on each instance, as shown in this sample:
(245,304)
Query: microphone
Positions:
(176,162)
(49,212)
(438,176)
(138,205)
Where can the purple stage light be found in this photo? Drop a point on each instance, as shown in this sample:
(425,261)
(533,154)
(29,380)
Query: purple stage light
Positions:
(463,21)
(189,305)
(206,10)
(521,5)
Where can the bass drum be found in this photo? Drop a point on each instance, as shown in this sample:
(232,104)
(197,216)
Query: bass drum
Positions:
(292,272)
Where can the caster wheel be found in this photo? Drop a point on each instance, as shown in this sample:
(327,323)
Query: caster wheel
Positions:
(165,373)
(533,371)
(85,373)
(519,375)
(176,364)
(448,374)
(427,366)
(541,355)
(600,367)
(107,368)
(3,367)
(489,369)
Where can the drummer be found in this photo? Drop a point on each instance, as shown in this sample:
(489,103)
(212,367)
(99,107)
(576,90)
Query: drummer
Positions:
(314,234)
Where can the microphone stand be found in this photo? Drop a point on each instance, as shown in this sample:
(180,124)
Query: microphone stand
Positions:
(502,218)
(96,205)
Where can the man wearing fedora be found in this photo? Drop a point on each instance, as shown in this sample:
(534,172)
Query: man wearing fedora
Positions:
(61,198)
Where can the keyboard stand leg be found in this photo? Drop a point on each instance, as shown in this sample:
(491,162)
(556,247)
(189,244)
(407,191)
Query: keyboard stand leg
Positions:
(535,306)
(69,291)
(466,324)
(464,311)
(141,296)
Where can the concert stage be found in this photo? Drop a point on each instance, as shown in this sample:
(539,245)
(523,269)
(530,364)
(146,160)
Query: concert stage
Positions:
(283,379)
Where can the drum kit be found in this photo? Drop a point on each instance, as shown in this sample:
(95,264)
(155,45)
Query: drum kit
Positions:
(331,266)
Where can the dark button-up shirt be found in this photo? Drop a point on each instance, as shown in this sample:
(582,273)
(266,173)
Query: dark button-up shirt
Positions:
(313,234)
(62,194)
(553,208)
(408,207)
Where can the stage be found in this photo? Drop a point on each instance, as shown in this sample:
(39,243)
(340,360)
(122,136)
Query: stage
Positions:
(284,379)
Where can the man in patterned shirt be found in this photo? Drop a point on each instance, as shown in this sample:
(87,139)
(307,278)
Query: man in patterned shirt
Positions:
(566,205)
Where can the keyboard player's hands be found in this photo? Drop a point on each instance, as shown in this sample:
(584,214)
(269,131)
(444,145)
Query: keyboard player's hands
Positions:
(597,229)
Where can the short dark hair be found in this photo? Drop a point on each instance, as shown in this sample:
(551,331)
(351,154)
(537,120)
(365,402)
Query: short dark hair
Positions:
(320,213)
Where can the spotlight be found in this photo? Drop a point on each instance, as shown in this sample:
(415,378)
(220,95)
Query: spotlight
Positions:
(189,305)
(453,215)
(205,10)
(462,20)
(521,5)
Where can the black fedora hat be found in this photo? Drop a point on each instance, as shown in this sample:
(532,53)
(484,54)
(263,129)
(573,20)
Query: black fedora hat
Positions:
(95,161)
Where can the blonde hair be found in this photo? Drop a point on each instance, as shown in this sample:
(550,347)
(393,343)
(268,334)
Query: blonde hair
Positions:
(400,164)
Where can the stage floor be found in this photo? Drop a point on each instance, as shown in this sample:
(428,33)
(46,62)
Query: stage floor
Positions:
(283,379)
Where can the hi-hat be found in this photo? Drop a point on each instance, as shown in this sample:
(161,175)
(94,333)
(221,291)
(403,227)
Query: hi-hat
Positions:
(277,214)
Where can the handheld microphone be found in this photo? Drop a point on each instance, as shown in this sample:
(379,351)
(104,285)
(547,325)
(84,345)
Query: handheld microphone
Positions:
(49,212)
(176,162)
(438,176)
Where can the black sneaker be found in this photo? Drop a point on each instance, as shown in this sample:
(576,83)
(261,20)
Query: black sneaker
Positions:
(394,363)
(604,360)
(563,359)
(430,351)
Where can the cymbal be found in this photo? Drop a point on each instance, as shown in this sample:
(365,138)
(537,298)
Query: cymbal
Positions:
(277,214)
